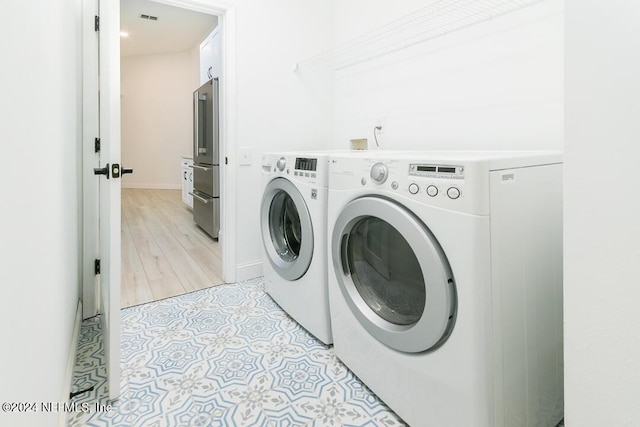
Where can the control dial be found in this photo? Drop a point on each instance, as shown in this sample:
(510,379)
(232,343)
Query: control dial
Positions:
(281,163)
(379,173)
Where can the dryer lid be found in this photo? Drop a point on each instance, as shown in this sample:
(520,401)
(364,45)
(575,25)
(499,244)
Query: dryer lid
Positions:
(394,275)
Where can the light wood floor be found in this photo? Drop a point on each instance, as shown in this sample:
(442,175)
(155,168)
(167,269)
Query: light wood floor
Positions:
(164,253)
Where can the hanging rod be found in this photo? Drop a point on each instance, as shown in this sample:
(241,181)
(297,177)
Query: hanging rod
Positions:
(437,19)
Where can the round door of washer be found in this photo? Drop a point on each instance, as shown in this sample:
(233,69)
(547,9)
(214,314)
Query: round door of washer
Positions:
(394,275)
(287,232)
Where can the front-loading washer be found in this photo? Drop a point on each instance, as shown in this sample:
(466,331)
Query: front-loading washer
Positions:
(293,217)
(445,283)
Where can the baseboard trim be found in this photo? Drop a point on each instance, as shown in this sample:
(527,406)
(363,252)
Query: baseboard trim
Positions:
(151,186)
(248,270)
(71,364)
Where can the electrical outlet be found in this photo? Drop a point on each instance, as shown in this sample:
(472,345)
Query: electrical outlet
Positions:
(381,125)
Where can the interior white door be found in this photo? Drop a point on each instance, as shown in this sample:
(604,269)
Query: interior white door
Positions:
(90,159)
(109,211)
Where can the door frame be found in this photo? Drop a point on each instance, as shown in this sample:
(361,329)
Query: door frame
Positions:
(227,22)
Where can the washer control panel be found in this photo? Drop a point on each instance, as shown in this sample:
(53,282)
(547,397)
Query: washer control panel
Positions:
(305,167)
(310,169)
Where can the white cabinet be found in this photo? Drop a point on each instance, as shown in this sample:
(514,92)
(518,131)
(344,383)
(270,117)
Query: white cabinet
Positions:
(211,56)
(187,181)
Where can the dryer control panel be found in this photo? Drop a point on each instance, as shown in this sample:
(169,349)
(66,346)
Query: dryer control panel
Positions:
(436,176)
(443,183)
(436,171)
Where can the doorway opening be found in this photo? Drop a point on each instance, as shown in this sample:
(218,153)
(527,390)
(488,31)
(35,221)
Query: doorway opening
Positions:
(164,252)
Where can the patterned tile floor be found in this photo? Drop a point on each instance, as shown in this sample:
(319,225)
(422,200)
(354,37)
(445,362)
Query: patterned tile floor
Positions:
(223,356)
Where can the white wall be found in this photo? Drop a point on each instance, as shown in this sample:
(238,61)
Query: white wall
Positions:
(277,108)
(157,124)
(602,214)
(40,81)
(495,85)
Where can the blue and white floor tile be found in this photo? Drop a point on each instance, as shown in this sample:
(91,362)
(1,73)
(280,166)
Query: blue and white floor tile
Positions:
(223,356)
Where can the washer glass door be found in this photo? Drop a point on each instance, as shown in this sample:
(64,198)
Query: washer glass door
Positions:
(287,232)
(394,275)
(284,226)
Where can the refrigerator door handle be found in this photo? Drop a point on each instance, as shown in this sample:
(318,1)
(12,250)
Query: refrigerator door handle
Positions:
(196,125)
(201,148)
(200,167)
(216,118)
(202,199)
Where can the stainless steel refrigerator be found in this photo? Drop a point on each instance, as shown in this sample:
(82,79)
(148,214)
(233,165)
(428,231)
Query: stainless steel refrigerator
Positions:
(206,164)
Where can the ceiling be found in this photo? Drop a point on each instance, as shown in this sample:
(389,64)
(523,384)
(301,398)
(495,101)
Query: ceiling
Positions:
(176,29)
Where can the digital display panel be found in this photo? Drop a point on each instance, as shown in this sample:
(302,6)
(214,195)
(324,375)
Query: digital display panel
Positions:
(306,164)
(446,169)
(436,171)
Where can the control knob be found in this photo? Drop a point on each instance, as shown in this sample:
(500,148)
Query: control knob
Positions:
(281,163)
(379,173)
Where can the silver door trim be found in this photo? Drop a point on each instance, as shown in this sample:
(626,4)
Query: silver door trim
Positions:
(289,270)
(437,320)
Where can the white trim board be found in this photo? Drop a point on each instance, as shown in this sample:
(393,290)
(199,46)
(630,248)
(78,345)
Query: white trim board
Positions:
(249,270)
(71,364)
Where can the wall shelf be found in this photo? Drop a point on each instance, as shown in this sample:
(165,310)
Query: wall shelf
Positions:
(439,18)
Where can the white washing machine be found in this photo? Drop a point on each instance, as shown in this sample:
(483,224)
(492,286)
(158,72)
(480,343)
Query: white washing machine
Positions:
(445,283)
(293,218)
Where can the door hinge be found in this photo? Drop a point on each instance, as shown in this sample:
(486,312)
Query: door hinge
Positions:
(96,23)
(96,145)
(96,266)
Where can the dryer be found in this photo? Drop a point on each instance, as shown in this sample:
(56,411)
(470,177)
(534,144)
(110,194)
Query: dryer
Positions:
(293,217)
(445,283)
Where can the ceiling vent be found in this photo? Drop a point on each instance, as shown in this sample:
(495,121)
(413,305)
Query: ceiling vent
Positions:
(149,17)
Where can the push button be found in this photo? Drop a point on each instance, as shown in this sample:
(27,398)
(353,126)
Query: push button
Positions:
(413,188)
(453,193)
(432,190)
